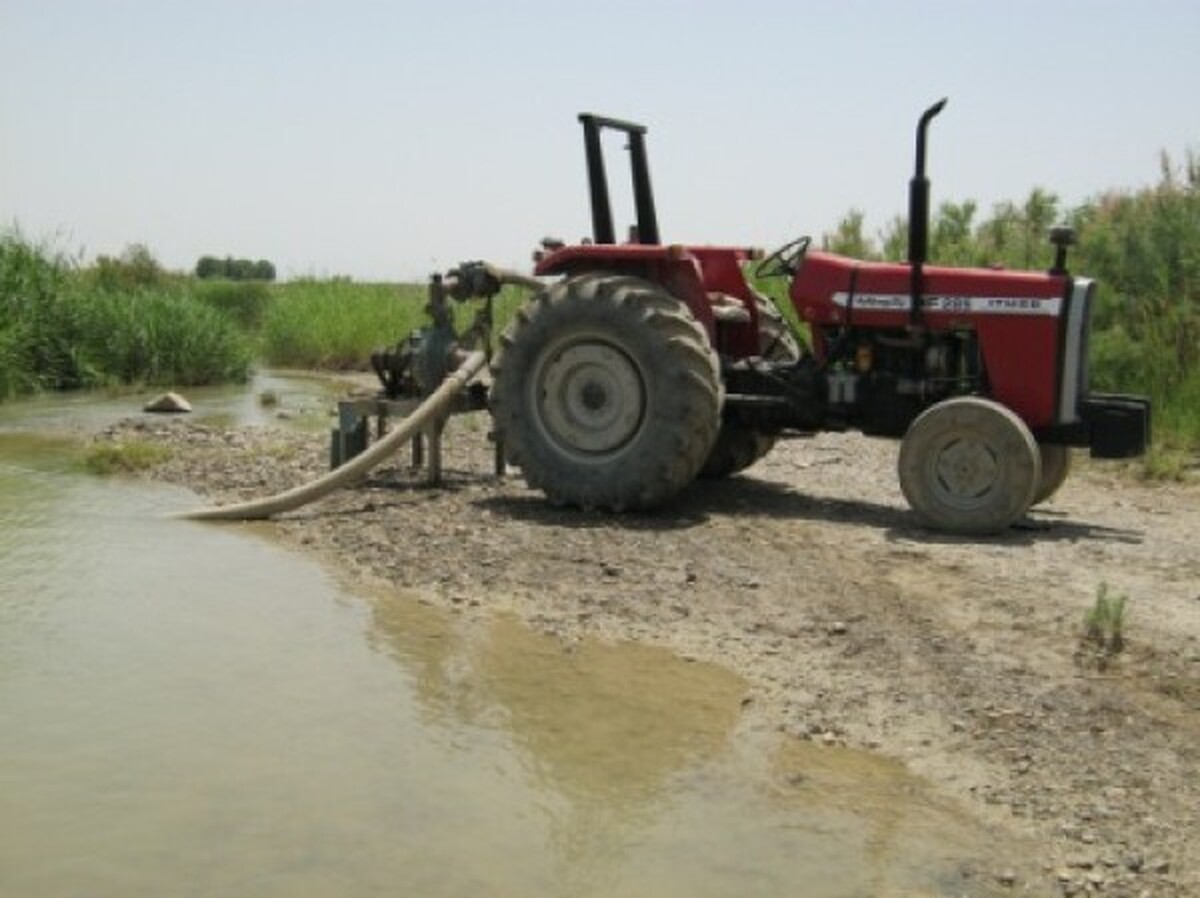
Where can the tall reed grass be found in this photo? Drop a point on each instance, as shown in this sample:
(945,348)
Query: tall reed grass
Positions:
(338,324)
(61,328)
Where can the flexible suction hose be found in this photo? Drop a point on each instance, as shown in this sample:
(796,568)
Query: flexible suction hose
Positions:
(434,406)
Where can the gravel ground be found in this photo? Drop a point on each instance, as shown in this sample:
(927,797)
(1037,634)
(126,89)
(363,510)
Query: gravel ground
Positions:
(805,574)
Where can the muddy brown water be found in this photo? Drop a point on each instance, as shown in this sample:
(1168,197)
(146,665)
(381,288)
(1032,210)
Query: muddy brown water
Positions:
(190,709)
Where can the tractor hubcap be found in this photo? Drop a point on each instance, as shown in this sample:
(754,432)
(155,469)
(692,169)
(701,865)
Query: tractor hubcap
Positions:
(589,397)
(965,470)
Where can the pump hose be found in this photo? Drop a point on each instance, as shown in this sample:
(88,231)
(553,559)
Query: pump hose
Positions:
(434,406)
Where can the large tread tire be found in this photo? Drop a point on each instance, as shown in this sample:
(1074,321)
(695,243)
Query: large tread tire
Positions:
(1056,465)
(606,393)
(737,446)
(969,466)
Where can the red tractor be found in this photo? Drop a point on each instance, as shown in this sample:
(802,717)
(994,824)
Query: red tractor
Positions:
(646,365)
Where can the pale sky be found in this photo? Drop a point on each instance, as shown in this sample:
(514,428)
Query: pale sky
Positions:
(387,140)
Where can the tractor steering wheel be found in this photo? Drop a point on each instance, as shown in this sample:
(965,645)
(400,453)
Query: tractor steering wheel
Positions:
(785,261)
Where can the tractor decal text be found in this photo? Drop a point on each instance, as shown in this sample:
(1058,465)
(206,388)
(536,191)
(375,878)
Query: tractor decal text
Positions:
(976,305)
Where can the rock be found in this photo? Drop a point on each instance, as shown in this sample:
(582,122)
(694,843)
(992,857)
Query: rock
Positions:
(837,628)
(167,403)
(1006,878)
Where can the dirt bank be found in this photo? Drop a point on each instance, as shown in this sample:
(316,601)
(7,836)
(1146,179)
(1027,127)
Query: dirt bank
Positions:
(807,575)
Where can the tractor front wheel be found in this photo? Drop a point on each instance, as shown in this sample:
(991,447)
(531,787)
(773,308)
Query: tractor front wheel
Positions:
(969,466)
(606,393)
(1056,465)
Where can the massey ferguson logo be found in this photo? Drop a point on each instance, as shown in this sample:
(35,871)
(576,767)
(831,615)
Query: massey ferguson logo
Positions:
(975,305)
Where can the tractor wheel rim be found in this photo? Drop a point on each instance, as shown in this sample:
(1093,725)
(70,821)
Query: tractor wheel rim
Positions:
(590,397)
(965,471)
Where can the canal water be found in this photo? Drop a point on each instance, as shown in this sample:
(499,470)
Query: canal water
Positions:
(193,710)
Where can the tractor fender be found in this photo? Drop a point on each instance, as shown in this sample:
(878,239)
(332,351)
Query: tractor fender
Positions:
(673,267)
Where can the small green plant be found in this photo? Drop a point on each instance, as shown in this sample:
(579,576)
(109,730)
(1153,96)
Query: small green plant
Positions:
(1104,624)
(124,457)
(1165,462)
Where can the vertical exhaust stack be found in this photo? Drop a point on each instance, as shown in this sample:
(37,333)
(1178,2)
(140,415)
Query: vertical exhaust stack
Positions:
(918,215)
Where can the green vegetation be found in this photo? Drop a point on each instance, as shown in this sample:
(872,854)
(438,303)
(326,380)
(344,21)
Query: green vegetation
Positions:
(246,302)
(126,320)
(1166,460)
(123,321)
(124,457)
(336,324)
(231,269)
(134,269)
(1104,625)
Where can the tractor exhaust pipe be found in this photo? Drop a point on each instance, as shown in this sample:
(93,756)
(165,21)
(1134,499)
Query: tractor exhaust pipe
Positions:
(918,216)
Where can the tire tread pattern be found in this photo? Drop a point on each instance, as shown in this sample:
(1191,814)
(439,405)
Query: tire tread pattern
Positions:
(682,381)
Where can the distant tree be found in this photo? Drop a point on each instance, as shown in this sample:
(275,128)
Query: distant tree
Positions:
(950,238)
(233,269)
(895,239)
(1040,211)
(848,239)
(1001,239)
(209,267)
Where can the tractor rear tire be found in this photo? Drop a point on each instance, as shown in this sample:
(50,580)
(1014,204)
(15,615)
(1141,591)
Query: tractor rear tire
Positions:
(1056,465)
(606,393)
(969,466)
(738,446)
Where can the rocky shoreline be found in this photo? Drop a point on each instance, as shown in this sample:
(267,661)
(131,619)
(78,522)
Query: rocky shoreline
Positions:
(963,659)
